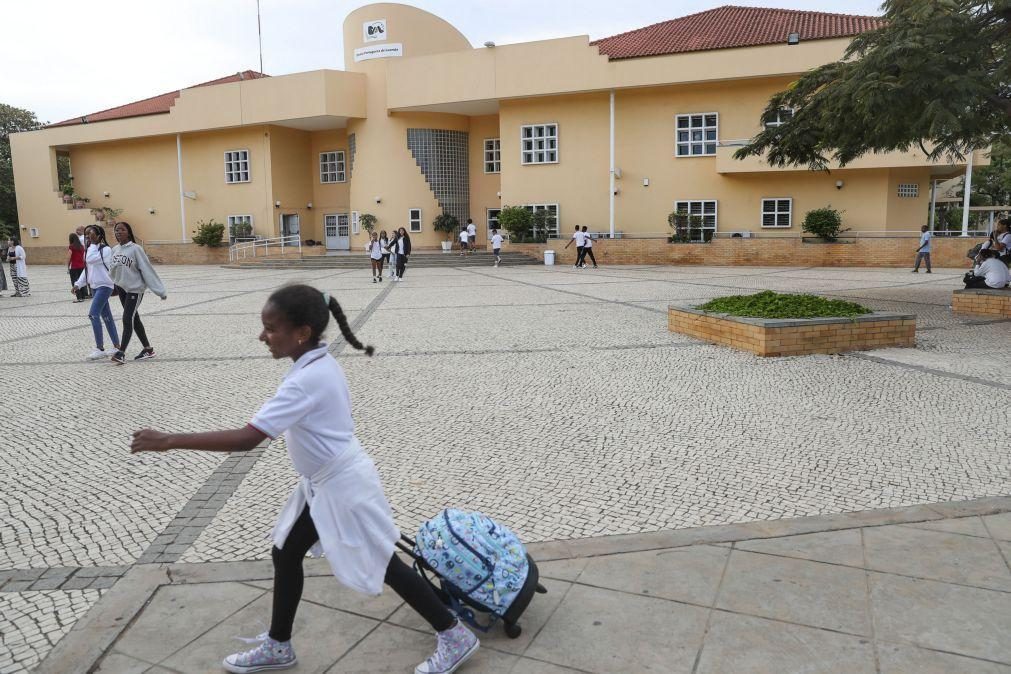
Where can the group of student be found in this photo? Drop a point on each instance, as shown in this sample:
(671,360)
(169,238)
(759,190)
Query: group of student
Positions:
(104,271)
(393,252)
(584,247)
(990,264)
(15,256)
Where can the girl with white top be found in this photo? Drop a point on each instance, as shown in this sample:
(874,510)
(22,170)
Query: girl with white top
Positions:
(1002,240)
(375,251)
(496,245)
(98,261)
(392,248)
(19,270)
(338,507)
(990,272)
(133,274)
(384,243)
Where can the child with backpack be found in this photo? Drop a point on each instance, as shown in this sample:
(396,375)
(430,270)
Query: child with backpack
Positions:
(339,506)
(98,262)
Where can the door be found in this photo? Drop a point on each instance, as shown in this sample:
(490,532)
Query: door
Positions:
(289,224)
(337,230)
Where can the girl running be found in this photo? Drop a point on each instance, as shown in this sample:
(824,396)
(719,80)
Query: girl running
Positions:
(75,263)
(339,506)
(375,250)
(132,273)
(98,259)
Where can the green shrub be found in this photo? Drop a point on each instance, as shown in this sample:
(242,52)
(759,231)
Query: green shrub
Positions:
(687,228)
(825,223)
(209,233)
(768,304)
(368,222)
(518,221)
(445,222)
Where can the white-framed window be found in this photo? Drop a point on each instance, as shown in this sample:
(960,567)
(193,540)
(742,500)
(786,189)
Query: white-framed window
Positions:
(702,214)
(332,167)
(237,226)
(491,215)
(492,155)
(414,219)
(356,225)
(697,134)
(783,115)
(33,232)
(552,210)
(777,212)
(539,144)
(909,190)
(237,166)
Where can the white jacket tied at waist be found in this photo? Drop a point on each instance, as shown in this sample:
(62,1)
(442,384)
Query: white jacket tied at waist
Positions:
(352,517)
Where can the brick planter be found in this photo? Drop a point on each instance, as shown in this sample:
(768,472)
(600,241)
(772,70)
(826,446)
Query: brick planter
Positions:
(796,336)
(982,302)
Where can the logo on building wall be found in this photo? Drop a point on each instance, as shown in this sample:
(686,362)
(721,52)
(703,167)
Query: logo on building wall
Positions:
(374,31)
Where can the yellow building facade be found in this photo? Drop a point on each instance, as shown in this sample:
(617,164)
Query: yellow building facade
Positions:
(613,135)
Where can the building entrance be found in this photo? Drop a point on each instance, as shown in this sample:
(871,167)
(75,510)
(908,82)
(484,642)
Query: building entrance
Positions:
(337,229)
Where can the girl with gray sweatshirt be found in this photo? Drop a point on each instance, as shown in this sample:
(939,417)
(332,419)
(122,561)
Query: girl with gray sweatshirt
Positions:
(132,272)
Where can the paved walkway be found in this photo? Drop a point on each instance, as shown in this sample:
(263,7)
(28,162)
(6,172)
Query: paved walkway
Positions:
(920,589)
(554,399)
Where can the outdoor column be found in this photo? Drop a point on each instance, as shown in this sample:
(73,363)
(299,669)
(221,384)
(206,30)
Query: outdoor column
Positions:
(965,198)
(611,194)
(182,195)
(933,201)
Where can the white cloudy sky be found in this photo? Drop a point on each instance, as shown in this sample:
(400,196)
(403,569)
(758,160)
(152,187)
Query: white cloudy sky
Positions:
(64,58)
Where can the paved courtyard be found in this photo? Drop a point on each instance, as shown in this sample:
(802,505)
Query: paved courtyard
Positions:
(553,399)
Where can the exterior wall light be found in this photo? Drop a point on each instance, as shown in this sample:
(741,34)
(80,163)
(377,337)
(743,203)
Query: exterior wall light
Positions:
(151,211)
(105,194)
(838,184)
(277,204)
(379,200)
(309,205)
(489,44)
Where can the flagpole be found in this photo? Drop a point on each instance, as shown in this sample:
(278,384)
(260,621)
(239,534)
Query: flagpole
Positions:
(259,34)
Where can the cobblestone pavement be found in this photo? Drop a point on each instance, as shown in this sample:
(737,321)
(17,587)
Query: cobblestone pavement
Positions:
(553,399)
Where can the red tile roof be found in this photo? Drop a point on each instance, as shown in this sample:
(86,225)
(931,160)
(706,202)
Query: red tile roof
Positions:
(154,105)
(731,26)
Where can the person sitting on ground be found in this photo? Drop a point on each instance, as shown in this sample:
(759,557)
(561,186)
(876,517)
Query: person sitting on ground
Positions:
(989,273)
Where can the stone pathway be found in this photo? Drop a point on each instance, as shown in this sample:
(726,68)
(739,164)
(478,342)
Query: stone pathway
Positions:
(553,399)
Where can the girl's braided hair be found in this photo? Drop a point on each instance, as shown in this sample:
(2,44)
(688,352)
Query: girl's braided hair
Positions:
(304,305)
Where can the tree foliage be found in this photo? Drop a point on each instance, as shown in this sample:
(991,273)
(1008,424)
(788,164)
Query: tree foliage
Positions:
(516,220)
(935,76)
(825,223)
(12,120)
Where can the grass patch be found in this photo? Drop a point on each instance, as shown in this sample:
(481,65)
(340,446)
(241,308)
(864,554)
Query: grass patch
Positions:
(768,304)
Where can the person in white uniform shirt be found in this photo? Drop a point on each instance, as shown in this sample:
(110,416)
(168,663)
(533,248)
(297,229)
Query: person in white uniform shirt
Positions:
(578,237)
(339,506)
(375,250)
(464,242)
(98,262)
(496,245)
(989,273)
(471,235)
(1002,240)
(923,252)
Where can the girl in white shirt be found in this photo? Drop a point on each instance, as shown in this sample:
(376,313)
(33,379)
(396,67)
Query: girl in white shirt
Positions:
(339,506)
(375,251)
(19,270)
(384,243)
(990,272)
(98,261)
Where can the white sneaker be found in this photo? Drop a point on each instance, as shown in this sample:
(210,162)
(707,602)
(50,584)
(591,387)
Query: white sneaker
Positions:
(111,352)
(454,647)
(97,354)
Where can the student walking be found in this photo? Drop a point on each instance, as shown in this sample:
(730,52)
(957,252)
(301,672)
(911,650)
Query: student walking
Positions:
(496,245)
(19,270)
(392,247)
(577,238)
(75,264)
(375,251)
(98,260)
(403,252)
(588,249)
(464,241)
(923,252)
(471,235)
(132,273)
(384,244)
(339,507)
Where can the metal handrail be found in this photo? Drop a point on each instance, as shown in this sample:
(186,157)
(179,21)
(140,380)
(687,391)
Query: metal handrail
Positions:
(241,250)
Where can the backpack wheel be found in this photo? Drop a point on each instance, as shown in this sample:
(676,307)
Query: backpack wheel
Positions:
(541,589)
(513,630)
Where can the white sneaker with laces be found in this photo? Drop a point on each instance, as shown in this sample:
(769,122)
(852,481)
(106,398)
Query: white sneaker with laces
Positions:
(96,354)
(454,647)
(268,655)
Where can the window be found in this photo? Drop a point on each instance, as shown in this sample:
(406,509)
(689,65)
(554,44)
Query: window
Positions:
(702,218)
(240,227)
(492,214)
(356,223)
(776,212)
(539,144)
(782,116)
(552,209)
(492,155)
(331,167)
(33,232)
(697,134)
(237,166)
(909,190)
(414,218)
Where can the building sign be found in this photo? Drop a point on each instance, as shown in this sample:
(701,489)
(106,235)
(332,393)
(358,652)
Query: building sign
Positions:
(380,51)
(374,31)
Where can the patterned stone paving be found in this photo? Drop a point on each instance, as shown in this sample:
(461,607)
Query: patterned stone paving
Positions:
(551,398)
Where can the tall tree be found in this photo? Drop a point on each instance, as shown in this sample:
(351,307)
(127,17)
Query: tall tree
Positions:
(12,120)
(936,75)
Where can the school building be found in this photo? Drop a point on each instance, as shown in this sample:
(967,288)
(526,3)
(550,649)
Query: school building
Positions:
(614,134)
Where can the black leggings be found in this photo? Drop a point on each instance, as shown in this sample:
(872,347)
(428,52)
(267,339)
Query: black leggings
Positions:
(978,282)
(289,579)
(131,319)
(589,251)
(75,274)
(401,265)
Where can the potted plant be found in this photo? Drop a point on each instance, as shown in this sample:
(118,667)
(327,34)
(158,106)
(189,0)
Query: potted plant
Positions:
(111,215)
(445,222)
(68,193)
(825,223)
(80,202)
